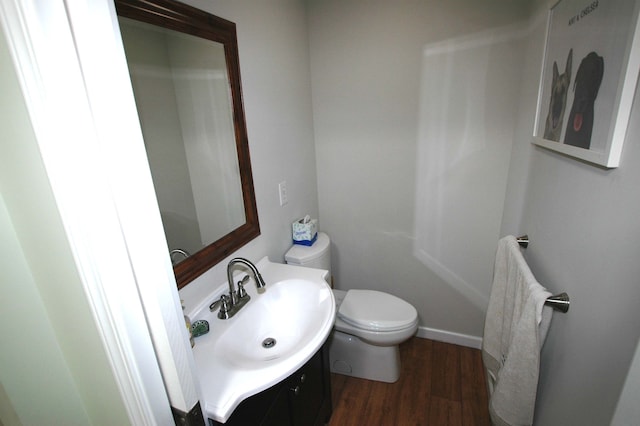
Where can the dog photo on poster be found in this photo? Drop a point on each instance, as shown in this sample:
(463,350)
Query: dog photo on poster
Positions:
(587,52)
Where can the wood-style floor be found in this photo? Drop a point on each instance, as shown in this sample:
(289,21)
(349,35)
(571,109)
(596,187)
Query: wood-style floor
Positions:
(440,384)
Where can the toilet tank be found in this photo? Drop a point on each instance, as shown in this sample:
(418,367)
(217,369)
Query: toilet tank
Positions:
(316,256)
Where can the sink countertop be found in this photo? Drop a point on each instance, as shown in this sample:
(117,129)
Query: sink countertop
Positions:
(227,377)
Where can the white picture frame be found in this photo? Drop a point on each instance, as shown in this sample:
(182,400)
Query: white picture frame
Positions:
(591,59)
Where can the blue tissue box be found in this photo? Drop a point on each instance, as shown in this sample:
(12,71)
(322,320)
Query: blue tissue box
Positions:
(305,232)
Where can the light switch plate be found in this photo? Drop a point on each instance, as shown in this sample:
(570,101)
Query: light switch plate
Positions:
(282,190)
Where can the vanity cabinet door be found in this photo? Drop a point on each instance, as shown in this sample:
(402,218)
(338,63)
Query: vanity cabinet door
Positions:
(278,414)
(306,392)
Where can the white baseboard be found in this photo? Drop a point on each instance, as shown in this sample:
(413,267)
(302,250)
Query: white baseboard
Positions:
(450,337)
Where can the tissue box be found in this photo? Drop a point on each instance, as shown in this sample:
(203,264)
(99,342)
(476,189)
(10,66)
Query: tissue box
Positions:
(305,232)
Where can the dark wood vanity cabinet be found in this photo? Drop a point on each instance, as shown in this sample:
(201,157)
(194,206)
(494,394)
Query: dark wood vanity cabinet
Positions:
(302,399)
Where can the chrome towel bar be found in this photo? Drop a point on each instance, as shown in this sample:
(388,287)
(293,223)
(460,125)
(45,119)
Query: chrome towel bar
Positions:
(559,302)
(523,241)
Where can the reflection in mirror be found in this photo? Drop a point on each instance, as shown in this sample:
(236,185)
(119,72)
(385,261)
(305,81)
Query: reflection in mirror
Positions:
(182,94)
(187,91)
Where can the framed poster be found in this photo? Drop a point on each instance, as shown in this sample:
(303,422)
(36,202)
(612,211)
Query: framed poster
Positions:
(588,79)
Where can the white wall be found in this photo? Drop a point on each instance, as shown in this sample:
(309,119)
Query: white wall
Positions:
(274,66)
(583,224)
(414,111)
(31,354)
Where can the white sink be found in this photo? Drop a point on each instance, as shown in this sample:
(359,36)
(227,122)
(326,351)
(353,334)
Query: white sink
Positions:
(293,316)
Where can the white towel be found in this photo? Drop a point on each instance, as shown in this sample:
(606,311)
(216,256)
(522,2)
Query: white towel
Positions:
(515,328)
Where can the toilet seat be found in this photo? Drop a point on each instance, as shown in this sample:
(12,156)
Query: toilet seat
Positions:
(376,311)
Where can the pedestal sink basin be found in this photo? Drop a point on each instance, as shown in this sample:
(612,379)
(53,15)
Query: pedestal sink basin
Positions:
(280,321)
(273,335)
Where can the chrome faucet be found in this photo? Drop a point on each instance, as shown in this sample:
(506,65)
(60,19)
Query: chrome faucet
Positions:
(230,304)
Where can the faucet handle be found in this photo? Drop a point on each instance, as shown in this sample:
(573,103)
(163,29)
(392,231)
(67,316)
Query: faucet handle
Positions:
(215,305)
(242,293)
(223,303)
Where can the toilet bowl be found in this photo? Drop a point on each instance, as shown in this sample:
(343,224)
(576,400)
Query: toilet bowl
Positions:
(375,317)
(369,324)
(369,327)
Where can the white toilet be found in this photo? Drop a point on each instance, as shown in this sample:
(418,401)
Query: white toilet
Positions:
(369,325)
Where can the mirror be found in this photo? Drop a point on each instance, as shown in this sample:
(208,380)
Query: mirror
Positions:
(185,74)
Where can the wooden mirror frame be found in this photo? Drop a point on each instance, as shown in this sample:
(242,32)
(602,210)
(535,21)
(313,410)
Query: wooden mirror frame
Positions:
(187,19)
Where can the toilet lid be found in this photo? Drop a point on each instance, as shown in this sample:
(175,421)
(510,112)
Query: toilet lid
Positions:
(375,310)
